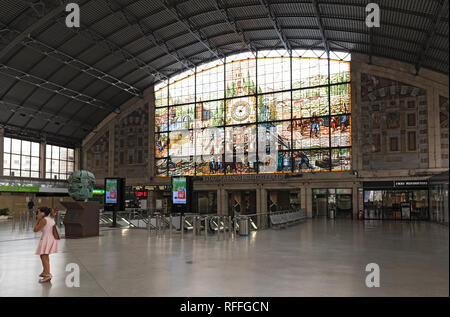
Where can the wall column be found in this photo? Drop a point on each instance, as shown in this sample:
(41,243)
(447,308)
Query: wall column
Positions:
(224,201)
(111,148)
(42,161)
(151,132)
(355,204)
(2,135)
(77,163)
(308,201)
(219,200)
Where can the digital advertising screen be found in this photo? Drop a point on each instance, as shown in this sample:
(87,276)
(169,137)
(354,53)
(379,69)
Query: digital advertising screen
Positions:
(179,190)
(111,191)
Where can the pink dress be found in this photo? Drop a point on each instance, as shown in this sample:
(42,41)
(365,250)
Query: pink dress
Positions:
(48,244)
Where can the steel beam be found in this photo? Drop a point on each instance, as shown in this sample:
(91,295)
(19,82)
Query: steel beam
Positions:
(51,12)
(46,115)
(53,87)
(221,7)
(443,7)
(147,33)
(196,33)
(322,30)
(276,26)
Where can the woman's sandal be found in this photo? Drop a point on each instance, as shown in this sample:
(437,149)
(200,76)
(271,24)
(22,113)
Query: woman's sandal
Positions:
(42,274)
(47,278)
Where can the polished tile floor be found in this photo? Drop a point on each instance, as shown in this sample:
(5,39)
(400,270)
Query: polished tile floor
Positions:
(315,258)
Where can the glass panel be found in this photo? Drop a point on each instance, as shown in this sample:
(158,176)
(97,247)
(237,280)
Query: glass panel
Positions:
(274,74)
(25,174)
(48,175)
(26,148)
(55,152)
(272,107)
(35,164)
(309,72)
(15,162)
(6,160)
(240,110)
(7,145)
(70,167)
(309,103)
(340,159)
(313,160)
(15,146)
(48,165)
(161,116)
(340,99)
(63,153)
(209,114)
(161,92)
(181,166)
(182,90)
(71,154)
(311,133)
(35,149)
(26,163)
(48,151)
(63,167)
(181,117)
(161,167)
(161,145)
(274,137)
(240,78)
(35,174)
(181,143)
(208,142)
(7,172)
(210,84)
(340,131)
(339,71)
(240,149)
(55,166)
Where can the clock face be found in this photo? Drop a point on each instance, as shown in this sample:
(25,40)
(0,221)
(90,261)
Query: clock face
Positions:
(240,111)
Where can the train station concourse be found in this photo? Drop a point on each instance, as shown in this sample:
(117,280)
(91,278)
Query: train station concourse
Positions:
(224,149)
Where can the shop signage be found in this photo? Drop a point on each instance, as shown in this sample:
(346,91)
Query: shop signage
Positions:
(240,178)
(98,191)
(22,189)
(410,183)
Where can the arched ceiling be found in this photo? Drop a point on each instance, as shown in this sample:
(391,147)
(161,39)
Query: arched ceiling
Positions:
(59,83)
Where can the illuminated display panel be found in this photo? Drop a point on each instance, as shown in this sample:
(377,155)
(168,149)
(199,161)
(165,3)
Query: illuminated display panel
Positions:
(273,113)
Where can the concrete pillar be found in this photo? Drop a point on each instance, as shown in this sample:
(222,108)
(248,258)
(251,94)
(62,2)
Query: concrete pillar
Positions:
(150,97)
(43,161)
(2,135)
(433,125)
(263,200)
(303,197)
(77,163)
(219,200)
(258,199)
(309,201)
(111,147)
(355,204)
(151,201)
(224,199)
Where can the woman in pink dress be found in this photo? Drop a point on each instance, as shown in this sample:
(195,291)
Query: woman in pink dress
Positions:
(48,244)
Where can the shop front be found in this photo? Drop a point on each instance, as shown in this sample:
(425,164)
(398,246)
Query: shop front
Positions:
(332,203)
(205,202)
(242,202)
(283,200)
(439,198)
(396,200)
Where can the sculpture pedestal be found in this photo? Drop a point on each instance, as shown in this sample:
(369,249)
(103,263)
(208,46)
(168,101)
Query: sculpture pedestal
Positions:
(81,219)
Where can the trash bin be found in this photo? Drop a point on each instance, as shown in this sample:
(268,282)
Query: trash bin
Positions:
(243,226)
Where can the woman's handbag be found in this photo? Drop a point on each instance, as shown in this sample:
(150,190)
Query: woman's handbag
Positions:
(56,232)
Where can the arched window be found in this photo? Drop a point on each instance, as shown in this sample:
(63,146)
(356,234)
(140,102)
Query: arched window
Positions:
(271,113)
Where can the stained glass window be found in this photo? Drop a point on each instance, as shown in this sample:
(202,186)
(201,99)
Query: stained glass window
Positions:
(271,113)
